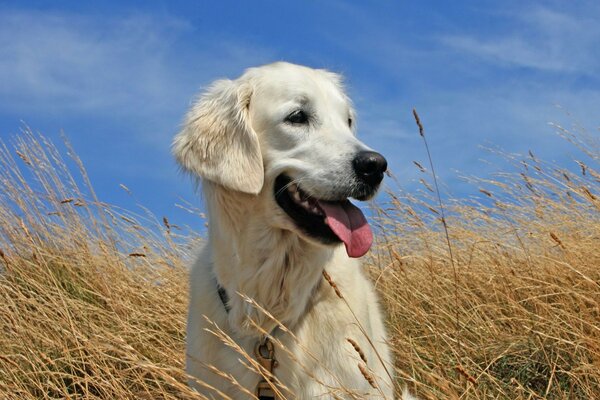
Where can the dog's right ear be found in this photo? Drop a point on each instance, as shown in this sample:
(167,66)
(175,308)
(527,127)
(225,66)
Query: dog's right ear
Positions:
(217,142)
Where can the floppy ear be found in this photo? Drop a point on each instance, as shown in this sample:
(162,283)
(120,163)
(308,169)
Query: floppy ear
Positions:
(217,142)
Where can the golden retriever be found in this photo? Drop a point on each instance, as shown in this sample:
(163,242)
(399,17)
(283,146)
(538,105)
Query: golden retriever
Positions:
(278,157)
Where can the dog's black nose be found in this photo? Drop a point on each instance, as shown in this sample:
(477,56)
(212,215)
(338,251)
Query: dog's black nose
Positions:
(369,167)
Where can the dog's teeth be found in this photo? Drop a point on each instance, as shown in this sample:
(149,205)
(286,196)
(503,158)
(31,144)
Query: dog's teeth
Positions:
(303,200)
(311,208)
(296,196)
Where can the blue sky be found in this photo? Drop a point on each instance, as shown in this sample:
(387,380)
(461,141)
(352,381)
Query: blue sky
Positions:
(117,77)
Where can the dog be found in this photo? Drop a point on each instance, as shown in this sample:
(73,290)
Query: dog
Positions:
(278,159)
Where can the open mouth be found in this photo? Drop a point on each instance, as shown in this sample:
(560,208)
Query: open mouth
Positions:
(326,220)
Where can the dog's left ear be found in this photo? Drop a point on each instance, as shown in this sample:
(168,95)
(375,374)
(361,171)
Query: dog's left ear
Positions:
(217,142)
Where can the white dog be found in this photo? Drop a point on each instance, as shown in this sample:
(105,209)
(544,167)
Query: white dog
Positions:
(278,158)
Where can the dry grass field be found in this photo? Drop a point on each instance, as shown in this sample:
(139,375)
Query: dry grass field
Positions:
(93,298)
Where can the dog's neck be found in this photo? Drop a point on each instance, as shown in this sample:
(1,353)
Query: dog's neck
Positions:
(255,261)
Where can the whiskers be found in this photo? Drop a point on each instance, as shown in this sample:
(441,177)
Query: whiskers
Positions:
(301,182)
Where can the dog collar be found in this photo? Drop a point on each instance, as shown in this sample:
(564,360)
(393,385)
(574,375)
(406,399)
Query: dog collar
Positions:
(265,355)
(224,297)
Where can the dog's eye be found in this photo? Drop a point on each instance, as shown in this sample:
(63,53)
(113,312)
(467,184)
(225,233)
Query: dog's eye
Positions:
(297,117)
(350,122)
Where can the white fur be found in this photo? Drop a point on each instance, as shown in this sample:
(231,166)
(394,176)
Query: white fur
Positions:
(236,140)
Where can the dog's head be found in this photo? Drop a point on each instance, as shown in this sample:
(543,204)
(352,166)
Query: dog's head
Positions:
(285,133)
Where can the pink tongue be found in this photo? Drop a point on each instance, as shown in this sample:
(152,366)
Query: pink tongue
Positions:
(350,225)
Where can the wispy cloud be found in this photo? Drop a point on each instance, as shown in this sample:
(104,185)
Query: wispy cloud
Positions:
(132,64)
(74,62)
(541,39)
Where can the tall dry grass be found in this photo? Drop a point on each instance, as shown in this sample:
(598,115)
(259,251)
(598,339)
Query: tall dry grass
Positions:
(93,298)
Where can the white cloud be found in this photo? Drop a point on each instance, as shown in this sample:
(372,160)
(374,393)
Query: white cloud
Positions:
(60,62)
(78,63)
(541,39)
